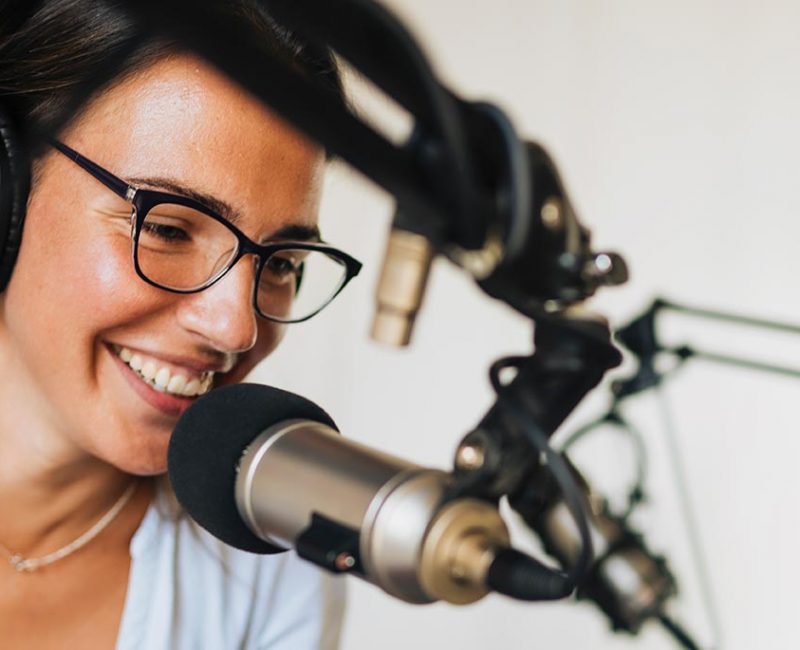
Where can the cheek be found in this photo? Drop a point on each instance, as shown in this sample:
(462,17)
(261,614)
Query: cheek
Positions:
(72,279)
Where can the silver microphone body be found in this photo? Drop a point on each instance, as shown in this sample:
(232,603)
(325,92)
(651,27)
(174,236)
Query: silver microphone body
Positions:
(410,543)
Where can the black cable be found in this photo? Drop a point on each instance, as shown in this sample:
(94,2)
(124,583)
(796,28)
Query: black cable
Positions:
(680,635)
(523,577)
(570,492)
(516,574)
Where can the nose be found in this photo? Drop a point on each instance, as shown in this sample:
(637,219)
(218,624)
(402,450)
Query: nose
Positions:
(223,313)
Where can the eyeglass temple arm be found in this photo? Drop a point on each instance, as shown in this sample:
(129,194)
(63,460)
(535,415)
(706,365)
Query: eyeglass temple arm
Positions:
(114,183)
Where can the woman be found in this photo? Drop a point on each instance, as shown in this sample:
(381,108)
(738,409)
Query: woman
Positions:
(99,356)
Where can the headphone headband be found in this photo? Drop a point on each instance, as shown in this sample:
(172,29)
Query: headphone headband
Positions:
(14,187)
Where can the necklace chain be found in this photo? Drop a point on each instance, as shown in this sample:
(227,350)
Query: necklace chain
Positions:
(21,563)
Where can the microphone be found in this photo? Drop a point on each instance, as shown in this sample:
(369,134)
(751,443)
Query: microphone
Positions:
(626,580)
(265,470)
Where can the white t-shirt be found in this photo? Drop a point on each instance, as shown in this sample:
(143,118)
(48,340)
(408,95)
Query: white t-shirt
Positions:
(189,591)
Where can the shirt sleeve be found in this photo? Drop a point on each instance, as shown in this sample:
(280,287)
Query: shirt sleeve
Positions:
(308,607)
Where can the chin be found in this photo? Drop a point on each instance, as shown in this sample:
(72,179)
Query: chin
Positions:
(142,458)
(153,467)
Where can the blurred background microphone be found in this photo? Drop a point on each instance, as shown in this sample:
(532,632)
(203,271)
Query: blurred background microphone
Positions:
(629,582)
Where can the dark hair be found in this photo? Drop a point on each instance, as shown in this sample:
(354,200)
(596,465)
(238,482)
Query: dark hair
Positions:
(49,49)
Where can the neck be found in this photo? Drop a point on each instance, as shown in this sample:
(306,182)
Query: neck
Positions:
(51,491)
(48,507)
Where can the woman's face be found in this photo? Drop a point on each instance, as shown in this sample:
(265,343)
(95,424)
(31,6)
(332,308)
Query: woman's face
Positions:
(75,302)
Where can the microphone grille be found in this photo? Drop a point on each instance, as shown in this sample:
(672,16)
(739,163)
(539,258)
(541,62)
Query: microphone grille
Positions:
(207,445)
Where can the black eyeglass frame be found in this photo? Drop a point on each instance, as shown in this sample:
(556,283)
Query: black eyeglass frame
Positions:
(143,200)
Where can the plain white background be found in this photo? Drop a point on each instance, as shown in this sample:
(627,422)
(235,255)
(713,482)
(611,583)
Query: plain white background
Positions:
(676,127)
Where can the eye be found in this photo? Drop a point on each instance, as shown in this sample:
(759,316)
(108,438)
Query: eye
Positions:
(164,232)
(281,268)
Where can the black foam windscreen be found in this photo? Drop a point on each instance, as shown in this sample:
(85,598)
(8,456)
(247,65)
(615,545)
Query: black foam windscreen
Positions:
(207,446)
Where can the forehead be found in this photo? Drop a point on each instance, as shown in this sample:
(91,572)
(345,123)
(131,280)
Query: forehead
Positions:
(181,119)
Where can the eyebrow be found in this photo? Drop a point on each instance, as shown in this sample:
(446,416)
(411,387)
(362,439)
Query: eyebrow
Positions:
(291,232)
(296,232)
(219,206)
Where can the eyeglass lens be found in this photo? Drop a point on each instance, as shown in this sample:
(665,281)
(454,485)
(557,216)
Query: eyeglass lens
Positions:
(181,248)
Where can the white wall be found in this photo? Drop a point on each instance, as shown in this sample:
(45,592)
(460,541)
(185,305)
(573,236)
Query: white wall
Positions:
(676,126)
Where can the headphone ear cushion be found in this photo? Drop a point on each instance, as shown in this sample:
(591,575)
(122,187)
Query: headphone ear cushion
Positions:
(14,186)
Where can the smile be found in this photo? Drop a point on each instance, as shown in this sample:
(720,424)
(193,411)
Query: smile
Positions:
(166,379)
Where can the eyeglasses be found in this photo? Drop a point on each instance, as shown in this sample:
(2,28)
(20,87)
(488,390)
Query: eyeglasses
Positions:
(182,246)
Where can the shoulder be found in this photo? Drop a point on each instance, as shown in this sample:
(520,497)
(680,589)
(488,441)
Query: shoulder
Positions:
(209,592)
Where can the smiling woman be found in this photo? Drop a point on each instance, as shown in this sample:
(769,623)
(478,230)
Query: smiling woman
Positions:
(163,264)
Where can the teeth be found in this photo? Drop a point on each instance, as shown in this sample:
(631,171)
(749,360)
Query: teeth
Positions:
(162,379)
(149,370)
(176,385)
(192,388)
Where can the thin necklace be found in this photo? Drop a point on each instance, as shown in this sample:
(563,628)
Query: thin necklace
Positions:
(21,563)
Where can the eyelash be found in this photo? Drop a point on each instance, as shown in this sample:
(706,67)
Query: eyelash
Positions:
(158,230)
(294,268)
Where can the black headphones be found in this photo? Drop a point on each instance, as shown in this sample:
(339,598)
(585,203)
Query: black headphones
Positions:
(14,186)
